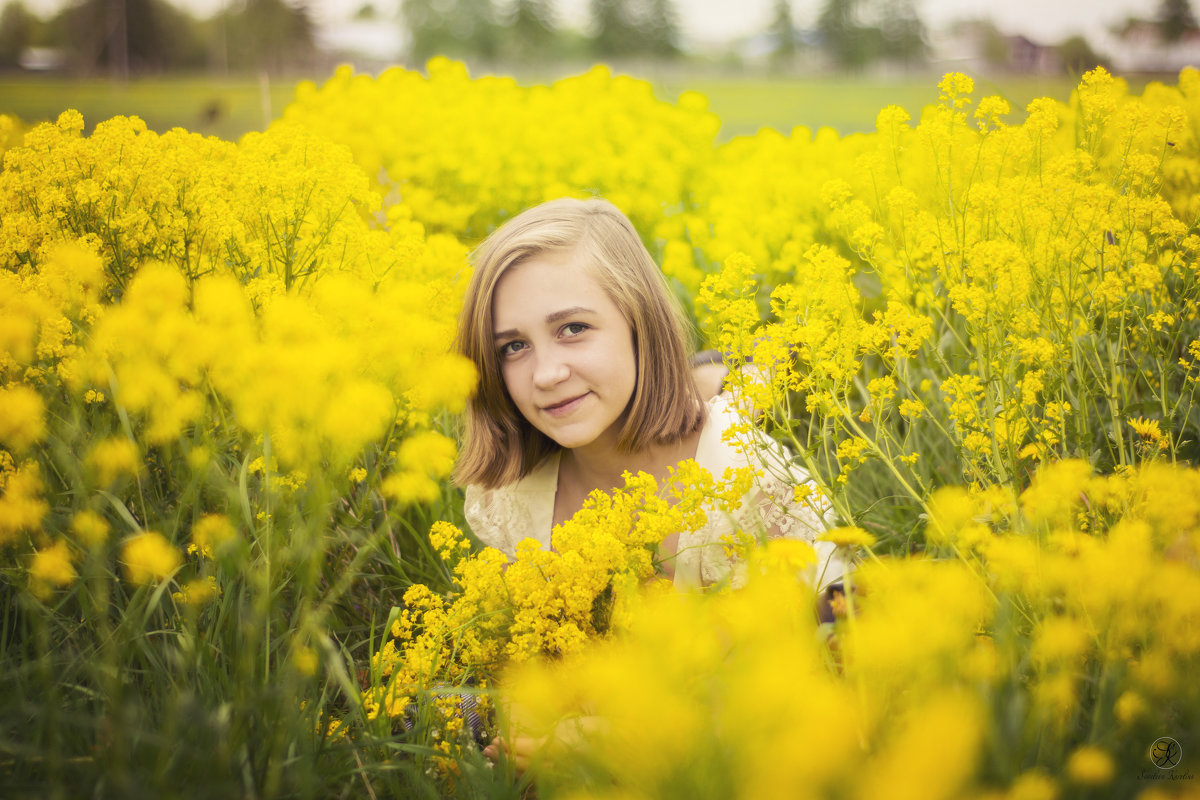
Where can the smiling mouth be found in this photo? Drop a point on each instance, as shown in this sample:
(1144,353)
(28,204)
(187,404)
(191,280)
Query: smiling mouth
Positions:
(566,406)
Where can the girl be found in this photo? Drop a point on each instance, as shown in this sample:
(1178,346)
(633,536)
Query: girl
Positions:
(582,354)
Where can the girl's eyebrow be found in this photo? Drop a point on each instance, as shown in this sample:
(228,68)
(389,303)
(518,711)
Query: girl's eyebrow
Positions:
(567,312)
(550,320)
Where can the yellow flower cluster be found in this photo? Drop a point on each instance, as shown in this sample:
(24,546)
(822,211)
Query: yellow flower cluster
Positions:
(1095,632)
(461,155)
(174,309)
(225,377)
(544,603)
(967,297)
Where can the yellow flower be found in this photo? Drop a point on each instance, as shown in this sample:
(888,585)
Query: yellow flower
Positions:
(448,541)
(90,528)
(1056,490)
(1149,430)
(410,487)
(197,592)
(954,84)
(51,566)
(148,558)
(210,534)
(1130,707)
(788,555)
(306,660)
(429,452)
(848,537)
(1090,766)
(1033,785)
(21,504)
(1060,641)
(112,458)
(22,417)
(199,457)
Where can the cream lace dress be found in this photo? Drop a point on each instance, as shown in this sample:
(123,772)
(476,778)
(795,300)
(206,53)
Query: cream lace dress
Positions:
(502,517)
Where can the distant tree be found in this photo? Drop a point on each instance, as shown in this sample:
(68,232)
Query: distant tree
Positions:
(902,31)
(1077,56)
(473,28)
(426,29)
(613,30)
(995,45)
(123,36)
(1175,19)
(783,31)
(844,37)
(531,29)
(659,27)
(634,28)
(19,29)
(270,35)
(460,28)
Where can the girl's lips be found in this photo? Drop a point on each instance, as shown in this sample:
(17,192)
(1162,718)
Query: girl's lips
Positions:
(565,407)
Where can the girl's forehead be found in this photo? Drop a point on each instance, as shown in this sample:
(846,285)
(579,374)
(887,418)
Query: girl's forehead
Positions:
(544,277)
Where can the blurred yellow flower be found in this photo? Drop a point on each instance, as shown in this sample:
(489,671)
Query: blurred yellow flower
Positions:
(210,534)
(1033,785)
(22,417)
(51,566)
(848,537)
(113,458)
(197,591)
(306,660)
(21,505)
(90,528)
(148,557)
(1060,641)
(1090,766)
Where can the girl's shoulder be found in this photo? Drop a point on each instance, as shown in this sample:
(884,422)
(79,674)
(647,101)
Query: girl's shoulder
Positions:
(524,509)
(729,439)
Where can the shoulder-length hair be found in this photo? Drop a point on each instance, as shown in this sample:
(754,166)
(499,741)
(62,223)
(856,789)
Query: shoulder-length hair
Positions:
(499,444)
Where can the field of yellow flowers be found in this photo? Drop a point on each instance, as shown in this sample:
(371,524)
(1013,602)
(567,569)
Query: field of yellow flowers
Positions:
(232,563)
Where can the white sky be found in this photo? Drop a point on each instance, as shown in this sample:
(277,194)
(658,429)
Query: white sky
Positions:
(710,21)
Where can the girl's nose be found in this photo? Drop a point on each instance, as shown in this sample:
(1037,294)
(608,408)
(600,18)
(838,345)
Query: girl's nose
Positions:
(550,371)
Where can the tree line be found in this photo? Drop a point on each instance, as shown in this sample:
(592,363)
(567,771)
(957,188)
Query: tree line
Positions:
(123,36)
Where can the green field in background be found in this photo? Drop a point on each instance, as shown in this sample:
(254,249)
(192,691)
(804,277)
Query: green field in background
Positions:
(220,107)
(230,107)
(848,105)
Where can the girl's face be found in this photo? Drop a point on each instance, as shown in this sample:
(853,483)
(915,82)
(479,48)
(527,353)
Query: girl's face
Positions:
(566,351)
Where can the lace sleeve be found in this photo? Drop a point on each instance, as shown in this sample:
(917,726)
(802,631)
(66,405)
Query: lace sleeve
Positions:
(492,515)
(783,502)
(787,510)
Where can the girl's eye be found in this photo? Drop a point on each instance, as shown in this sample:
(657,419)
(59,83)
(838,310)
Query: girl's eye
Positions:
(574,328)
(511,348)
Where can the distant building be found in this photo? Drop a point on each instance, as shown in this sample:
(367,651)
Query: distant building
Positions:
(1027,56)
(43,59)
(363,41)
(977,46)
(1138,47)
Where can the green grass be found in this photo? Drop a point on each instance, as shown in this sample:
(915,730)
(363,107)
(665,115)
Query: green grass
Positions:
(848,105)
(225,107)
(230,107)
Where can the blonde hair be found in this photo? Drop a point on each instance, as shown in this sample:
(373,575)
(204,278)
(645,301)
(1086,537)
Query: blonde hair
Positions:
(499,444)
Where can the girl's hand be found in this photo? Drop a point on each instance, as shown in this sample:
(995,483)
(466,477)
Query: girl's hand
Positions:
(570,734)
(520,750)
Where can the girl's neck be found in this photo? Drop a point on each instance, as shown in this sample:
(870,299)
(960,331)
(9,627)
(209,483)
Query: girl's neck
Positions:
(584,469)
